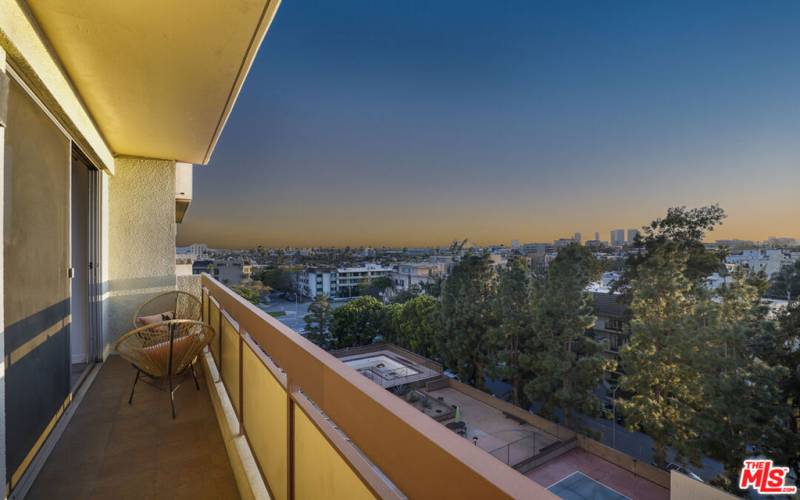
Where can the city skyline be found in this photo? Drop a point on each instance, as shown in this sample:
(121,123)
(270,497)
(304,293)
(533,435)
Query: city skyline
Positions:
(487,243)
(416,124)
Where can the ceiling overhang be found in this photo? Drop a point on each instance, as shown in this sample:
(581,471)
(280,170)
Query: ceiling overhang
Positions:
(159,78)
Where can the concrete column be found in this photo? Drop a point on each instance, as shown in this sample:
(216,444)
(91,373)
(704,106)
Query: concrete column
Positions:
(141,240)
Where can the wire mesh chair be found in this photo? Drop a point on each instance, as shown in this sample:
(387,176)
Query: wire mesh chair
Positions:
(164,351)
(170,305)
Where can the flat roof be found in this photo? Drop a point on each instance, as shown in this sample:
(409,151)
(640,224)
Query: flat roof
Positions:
(389,369)
(507,439)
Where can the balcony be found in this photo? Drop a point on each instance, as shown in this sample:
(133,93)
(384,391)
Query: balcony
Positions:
(276,416)
(279,417)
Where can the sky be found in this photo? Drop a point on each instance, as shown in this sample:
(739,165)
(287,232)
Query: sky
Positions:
(415,123)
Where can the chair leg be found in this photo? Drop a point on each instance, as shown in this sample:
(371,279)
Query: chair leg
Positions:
(171,396)
(197,386)
(130,399)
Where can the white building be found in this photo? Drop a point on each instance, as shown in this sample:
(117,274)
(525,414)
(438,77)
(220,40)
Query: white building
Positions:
(632,234)
(341,282)
(768,261)
(348,279)
(411,274)
(312,282)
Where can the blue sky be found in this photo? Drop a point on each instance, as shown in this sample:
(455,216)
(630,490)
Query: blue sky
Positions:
(419,122)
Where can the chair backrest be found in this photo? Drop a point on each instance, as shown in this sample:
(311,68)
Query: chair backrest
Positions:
(175,304)
(149,347)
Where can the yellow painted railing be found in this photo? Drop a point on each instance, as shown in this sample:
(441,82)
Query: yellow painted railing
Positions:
(318,429)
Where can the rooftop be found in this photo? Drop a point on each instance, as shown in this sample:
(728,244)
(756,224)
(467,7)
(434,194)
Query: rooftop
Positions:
(543,451)
(508,439)
(388,368)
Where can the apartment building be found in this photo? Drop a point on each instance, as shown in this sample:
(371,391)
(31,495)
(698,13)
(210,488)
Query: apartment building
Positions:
(228,271)
(348,279)
(767,261)
(617,237)
(414,274)
(233,272)
(316,281)
(341,282)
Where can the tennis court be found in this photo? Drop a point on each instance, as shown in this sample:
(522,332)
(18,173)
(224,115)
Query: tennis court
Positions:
(579,486)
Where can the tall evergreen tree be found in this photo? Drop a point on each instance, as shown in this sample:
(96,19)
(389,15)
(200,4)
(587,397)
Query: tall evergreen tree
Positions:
(786,283)
(318,321)
(467,343)
(683,230)
(567,363)
(741,401)
(657,360)
(514,310)
(779,348)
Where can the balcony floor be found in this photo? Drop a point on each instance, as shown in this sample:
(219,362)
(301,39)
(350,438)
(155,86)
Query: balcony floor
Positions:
(114,450)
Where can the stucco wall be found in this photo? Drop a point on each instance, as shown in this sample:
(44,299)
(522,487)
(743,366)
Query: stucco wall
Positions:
(141,239)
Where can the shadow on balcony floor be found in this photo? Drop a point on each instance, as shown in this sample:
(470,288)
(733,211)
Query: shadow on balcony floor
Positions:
(114,450)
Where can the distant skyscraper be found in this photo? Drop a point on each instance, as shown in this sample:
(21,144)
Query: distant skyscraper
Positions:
(597,236)
(632,235)
(577,238)
(515,244)
(617,237)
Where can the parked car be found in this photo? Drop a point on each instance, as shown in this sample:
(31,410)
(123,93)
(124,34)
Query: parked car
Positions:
(683,470)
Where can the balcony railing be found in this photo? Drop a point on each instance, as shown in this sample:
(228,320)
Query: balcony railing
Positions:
(318,429)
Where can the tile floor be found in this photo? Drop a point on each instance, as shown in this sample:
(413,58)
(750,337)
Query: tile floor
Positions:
(112,450)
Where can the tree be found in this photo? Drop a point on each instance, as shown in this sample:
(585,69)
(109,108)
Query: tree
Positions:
(359,322)
(375,287)
(252,291)
(467,343)
(277,279)
(434,287)
(683,229)
(742,409)
(415,324)
(778,347)
(513,305)
(786,283)
(665,385)
(405,295)
(567,363)
(318,321)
